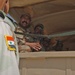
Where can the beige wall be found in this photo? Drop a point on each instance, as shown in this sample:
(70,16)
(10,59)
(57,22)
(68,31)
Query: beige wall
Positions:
(47,63)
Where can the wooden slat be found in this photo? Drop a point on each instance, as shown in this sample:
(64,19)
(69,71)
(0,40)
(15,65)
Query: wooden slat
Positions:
(21,3)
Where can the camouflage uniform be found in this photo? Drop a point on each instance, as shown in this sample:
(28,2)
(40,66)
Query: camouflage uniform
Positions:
(21,40)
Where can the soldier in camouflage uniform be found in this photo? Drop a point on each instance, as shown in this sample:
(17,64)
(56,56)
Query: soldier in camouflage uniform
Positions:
(44,41)
(24,41)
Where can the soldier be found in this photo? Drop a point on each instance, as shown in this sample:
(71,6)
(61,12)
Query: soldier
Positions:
(44,41)
(8,45)
(25,42)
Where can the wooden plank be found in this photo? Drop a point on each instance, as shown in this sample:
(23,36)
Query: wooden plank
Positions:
(20,3)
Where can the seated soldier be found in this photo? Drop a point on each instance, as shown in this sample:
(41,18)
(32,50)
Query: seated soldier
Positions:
(45,42)
(24,27)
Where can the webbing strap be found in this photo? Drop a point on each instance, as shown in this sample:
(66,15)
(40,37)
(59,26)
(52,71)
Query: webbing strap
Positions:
(62,34)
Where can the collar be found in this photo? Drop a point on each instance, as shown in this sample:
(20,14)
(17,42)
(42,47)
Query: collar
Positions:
(2,14)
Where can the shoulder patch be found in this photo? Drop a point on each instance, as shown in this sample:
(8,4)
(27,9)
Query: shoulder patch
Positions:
(10,43)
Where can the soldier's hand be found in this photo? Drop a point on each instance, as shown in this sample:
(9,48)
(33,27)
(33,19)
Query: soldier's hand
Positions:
(35,45)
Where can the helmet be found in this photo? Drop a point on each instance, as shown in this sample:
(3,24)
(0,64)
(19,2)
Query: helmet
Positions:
(39,25)
(26,14)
